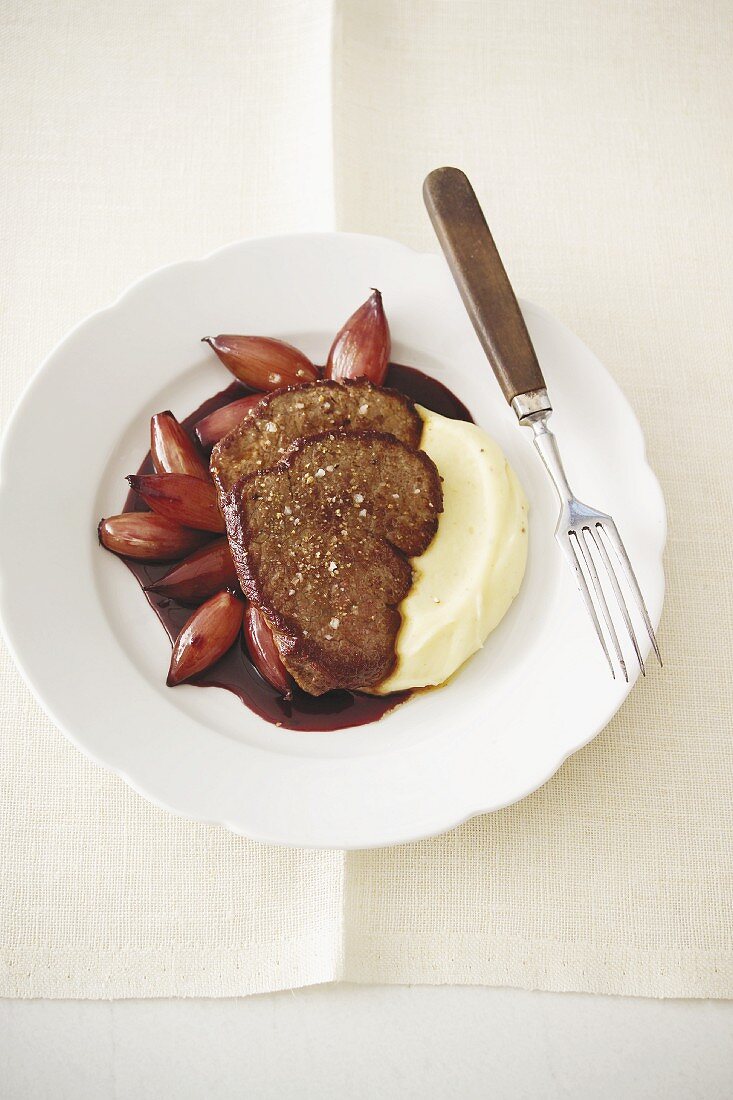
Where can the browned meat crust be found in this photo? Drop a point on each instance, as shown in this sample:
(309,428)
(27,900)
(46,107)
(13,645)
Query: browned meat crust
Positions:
(321,542)
(282,417)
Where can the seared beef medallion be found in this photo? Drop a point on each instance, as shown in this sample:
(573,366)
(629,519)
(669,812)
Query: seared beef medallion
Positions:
(321,543)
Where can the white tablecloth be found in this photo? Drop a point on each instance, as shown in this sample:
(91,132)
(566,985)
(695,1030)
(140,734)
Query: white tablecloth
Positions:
(597,137)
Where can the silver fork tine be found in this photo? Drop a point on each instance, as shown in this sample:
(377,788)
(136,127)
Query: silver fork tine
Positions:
(572,555)
(609,529)
(619,594)
(591,566)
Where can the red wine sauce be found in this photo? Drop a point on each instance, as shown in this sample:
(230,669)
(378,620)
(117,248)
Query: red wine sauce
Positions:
(336,709)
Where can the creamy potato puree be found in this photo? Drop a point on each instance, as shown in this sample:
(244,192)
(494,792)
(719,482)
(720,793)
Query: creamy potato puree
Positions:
(466,580)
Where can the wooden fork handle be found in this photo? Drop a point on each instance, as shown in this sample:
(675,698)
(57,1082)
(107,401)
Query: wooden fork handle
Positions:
(479,273)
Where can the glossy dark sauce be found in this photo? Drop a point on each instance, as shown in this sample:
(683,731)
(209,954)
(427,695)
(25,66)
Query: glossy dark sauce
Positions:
(235,672)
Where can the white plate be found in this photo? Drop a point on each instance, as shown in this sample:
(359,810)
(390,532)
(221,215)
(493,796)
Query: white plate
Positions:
(96,656)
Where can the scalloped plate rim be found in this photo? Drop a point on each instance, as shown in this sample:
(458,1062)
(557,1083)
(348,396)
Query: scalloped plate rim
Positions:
(443,822)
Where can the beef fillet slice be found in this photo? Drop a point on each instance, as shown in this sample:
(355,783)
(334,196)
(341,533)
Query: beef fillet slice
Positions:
(321,543)
(263,437)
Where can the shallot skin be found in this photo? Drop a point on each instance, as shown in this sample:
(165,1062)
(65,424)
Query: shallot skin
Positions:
(362,346)
(262,362)
(202,574)
(147,536)
(182,498)
(209,633)
(263,652)
(219,423)
(172,450)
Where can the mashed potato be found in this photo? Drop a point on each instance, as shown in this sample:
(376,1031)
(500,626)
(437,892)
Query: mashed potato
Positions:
(466,580)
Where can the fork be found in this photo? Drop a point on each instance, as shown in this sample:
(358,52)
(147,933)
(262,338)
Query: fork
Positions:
(587,537)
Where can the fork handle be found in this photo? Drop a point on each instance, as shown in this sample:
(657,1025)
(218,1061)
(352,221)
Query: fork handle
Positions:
(487,294)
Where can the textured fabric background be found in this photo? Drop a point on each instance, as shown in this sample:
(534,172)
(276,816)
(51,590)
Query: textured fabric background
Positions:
(598,137)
